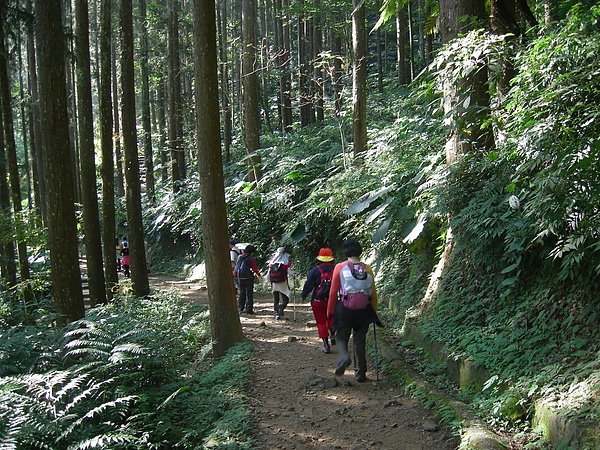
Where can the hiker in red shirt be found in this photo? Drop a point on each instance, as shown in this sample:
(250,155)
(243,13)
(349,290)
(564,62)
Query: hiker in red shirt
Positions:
(317,285)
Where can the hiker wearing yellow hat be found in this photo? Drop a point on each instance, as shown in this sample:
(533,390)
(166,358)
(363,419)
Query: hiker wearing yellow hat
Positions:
(318,282)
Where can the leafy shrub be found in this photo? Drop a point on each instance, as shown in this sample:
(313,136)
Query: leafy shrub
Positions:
(133,374)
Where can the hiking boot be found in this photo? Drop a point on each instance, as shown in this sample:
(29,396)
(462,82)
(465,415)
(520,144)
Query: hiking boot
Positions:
(326,349)
(341,368)
(360,377)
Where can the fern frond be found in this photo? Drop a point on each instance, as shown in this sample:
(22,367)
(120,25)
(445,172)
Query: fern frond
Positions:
(106,440)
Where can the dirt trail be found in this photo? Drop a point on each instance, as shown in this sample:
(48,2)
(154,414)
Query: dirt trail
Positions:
(298,401)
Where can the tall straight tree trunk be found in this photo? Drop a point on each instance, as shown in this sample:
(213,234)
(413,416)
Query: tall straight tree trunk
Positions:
(24,129)
(162,125)
(319,84)
(411,50)
(62,226)
(359,79)
(89,190)
(107,168)
(7,246)
(284,63)
(250,84)
(38,166)
(401,32)
(336,74)
(139,269)
(379,61)
(117,121)
(175,118)
(11,156)
(224,75)
(225,327)
(72,98)
(146,124)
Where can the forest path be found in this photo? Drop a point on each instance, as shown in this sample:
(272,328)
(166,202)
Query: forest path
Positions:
(298,402)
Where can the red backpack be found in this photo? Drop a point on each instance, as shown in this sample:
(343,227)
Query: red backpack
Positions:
(324,284)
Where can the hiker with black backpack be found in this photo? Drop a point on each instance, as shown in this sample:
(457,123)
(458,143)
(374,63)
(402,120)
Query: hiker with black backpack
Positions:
(244,272)
(277,274)
(318,285)
(352,304)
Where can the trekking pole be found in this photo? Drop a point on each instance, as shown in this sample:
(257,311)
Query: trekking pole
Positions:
(376,353)
(294,296)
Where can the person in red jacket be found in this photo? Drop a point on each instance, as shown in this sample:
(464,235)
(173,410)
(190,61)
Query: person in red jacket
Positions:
(318,285)
(351,305)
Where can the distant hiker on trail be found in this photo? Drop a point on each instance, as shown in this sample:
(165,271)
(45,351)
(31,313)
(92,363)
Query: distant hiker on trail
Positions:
(352,304)
(244,272)
(234,253)
(318,286)
(118,249)
(125,259)
(277,274)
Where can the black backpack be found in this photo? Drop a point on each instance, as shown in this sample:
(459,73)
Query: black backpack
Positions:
(324,284)
(277,273)
(242,267)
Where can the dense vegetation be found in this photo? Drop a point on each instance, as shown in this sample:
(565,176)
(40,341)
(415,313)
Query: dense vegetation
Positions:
(133,374)
(514,229)
(519,296)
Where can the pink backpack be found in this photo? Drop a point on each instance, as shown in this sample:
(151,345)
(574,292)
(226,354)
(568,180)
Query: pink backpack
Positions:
(356,286)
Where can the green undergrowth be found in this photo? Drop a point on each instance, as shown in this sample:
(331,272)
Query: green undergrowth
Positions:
(133,374)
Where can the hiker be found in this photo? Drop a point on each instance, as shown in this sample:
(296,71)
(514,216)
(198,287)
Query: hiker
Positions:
(317,285)
(234,252)
(125,259)
(118,249)
(244,272)
(352,304)
(277,274)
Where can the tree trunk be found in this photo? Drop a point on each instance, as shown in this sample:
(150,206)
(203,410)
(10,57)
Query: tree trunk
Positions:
(175,126)
(24,128)
(39,178)
(250,85)
(359,79)
(226,329)
(411,50)
(379,62)
(224,75)
(336,74)
(401,33)
(62,226)
(72,97)
(162,125)
(139,269)
(146,124)
(318,69)
(284,61)
(116,120)
(11,156)
(107,168)
(89,192)
(8,254)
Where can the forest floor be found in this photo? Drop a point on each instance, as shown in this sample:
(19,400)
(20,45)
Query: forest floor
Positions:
(298,402)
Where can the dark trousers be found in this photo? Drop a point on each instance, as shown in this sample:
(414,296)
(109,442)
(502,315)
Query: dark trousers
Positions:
(359,338)
(280,301)
(246,294)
